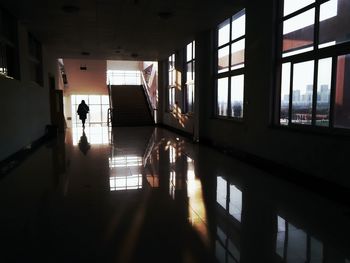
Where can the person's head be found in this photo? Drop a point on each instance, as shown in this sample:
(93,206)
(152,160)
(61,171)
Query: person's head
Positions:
(83,102)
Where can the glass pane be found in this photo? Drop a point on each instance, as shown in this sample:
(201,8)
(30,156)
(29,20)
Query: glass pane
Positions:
(171,61)
(190,97)
(298,33)
(105,99)
(224,33)
(74,113)
(238,25)
(79,98)
(291,6)
(223,59)
(171,98)
(285,89)
(193,49)
(237,54)
(170,78)
(237,92)
(95,113)
(104,113)
(189,73)
(323,91)
(342,96)
(334,14)
(302,92)
(222,96)
(189,52)
(94,99)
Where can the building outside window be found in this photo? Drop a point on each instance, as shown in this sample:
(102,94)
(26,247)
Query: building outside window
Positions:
(171,82)
(314,86)
(9,65)
(190,77)
(230,56)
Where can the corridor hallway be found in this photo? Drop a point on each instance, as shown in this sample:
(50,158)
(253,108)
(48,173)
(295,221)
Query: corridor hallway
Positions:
(145,194)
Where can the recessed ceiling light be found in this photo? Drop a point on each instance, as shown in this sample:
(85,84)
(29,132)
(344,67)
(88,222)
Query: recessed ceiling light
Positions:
(70,9)
(134,55)
(85,53)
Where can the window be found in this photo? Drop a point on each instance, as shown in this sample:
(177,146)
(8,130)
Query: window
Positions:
(315,64)
(171,82)
(190,75)
(9,65)
(230,66)
(98,104)
(35,60)
(123,77)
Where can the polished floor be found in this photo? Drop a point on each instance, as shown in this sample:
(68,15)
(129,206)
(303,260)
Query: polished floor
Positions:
(144,194)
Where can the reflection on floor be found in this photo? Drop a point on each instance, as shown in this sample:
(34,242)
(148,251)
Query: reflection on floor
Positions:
(144,194)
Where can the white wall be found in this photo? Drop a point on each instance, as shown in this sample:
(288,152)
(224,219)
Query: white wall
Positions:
(24,105)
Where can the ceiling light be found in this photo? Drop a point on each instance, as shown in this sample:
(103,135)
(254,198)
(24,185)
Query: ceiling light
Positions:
(85,53)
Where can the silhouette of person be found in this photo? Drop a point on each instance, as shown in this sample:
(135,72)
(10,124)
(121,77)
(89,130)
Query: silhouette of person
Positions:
(82,111)
(84,145)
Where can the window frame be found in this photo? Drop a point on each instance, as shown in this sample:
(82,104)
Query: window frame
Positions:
(315,55)
(35,59)
(230,72)
(171,87)
(191,62)
(9,53)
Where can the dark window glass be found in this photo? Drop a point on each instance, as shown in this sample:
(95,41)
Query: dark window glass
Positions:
(334,15)
(230,66)
(315,85)
(302,92)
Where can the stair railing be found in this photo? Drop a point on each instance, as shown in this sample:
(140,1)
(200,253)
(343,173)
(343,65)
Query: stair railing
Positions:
(153,108)
(110,109)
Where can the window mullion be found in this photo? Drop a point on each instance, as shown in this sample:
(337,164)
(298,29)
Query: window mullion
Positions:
(333,90)
(316,62)
(314,93)
(229,71)
(290,94)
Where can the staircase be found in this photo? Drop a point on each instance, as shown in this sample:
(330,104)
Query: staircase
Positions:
(130,106)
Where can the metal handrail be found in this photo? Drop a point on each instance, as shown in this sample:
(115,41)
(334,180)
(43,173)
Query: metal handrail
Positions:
(145,88)
(109,116)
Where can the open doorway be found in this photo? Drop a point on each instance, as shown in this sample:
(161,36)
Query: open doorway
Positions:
(98,104)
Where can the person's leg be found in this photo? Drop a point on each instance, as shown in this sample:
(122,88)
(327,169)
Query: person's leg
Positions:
(83,121)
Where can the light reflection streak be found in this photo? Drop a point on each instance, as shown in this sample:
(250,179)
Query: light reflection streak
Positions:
(125,173)
(196,208)
(96,135)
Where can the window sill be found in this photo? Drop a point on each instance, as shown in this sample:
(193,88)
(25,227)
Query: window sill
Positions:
(313,130)
(231,119)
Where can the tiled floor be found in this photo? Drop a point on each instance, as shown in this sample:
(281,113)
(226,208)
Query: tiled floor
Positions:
(149,195)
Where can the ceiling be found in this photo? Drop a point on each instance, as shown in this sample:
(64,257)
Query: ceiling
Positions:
(119,29)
